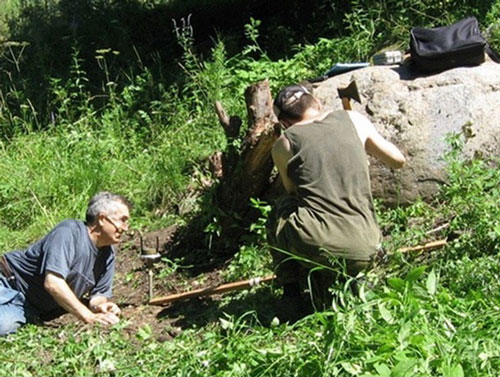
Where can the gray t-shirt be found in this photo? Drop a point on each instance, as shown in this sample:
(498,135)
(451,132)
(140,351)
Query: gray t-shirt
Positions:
(66,251)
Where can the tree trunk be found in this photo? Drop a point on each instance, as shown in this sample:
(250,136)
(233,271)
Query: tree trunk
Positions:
(243,173)
(246,174)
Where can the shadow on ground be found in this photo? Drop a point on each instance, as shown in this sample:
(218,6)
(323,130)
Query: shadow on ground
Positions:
(199,312)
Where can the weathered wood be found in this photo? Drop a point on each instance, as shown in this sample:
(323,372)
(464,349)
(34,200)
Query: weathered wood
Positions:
(259,105)
(231,124)
(217,164)
(258,164)
(238,285)
(244,171)
(256,151)
(221,114)
(428,246)
(253,164)
(222,164)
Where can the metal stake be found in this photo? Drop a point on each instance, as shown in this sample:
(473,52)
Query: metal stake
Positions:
(150,282)
(150,257)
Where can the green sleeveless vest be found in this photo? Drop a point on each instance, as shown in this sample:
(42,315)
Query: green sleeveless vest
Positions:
(333,210)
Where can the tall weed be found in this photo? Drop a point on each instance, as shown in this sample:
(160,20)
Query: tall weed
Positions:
(435,313)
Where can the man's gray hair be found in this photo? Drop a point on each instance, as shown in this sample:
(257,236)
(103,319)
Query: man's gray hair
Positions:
(104,202)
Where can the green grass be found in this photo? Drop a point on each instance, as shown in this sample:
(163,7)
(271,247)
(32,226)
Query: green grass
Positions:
(434,313)
(8,10)
(429,314)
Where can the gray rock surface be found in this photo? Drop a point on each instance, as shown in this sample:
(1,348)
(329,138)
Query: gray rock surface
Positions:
(416,113)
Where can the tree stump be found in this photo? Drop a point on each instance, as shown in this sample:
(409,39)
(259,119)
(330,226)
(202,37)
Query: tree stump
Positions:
(245,173)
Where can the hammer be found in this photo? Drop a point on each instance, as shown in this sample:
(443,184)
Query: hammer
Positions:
(348,93)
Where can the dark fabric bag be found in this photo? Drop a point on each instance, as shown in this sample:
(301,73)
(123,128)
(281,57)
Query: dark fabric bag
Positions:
(441,48)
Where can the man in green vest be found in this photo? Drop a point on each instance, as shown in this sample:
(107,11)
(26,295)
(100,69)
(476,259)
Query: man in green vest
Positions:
(327,217)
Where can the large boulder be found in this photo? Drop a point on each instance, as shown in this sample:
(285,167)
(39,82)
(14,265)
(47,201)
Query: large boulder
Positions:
(417,113)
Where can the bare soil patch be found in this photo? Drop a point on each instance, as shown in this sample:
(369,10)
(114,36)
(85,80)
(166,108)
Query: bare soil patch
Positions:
(131,289)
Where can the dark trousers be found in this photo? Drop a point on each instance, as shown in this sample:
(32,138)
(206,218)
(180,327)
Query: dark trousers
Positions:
(310,268)
(316,274)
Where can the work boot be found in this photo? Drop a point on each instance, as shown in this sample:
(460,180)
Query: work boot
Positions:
(292,306)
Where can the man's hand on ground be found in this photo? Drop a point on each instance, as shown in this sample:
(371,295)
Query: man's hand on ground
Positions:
(107,307)
(107,319)
(105,313)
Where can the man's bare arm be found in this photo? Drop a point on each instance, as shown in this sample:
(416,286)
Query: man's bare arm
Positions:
(375,144)
(385,151)
(65,297)
(281,154)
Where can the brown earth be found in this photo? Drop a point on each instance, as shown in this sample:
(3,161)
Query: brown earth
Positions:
(131,290)
(199,269)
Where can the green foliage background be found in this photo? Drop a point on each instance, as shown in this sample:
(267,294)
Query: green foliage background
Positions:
(103,95)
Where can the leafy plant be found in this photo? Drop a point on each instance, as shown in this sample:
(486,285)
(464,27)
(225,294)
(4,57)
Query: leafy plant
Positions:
(90,124)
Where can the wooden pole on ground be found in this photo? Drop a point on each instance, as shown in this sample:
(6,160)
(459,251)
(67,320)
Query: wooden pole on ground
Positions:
(244,284)
(428,246)
(238,285)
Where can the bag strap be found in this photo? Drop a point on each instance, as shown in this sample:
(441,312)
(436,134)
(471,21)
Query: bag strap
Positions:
(492,53)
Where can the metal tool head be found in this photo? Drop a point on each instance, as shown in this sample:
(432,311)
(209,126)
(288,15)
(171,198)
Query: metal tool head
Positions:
(350,92)
(149,255)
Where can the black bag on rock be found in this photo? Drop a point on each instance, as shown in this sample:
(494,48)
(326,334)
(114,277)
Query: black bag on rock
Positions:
(457,45)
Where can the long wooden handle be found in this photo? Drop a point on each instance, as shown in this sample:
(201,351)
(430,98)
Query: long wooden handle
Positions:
(244,284)
(238,285)
(346,103)
(427,246)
